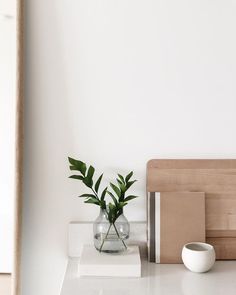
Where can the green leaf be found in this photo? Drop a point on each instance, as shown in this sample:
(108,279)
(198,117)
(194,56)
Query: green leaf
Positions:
(103,204)
(127,178)
(103,194)
(87,182)
(78,165)
(128,185)
(121,178)
(74,162)
(79,177)
(87,196)
(112,207)
(112,212)
(90,174)
(92,201)
(74,168)
(121,186)
(110,216)
(115,189)
(129,198)
(97,184)
(121,198)
(119,182)
(113,197)
(122,204)
(83,169)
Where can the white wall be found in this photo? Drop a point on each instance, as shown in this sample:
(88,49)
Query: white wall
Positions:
(117,83)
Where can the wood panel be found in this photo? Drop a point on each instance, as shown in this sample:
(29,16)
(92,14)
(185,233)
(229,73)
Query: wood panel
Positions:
(225,247)
(221,211)
(217,178)
(221,233)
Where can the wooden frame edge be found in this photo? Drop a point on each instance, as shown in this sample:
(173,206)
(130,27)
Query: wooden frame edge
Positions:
(19,149)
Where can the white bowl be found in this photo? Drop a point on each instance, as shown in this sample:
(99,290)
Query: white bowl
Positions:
(198,257)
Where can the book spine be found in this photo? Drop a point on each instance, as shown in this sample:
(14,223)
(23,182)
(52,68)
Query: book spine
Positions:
(151,227)
(148,225)
(157,227)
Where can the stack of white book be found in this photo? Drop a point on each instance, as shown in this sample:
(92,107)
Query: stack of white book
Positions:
(94,263)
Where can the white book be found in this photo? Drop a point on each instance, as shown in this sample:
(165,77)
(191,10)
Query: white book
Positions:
(94,263)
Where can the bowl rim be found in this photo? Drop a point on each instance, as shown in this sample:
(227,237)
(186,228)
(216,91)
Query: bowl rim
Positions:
(207,247)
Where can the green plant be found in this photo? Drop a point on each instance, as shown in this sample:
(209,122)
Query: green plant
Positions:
(117,191)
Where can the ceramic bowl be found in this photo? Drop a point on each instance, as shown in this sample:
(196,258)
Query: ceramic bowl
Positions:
(198,257)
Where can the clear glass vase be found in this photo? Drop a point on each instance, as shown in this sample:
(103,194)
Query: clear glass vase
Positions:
(110,237)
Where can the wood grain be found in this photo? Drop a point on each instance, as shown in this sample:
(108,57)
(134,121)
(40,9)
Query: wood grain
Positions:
(221,233)
(217,178)
(225,247)
(192,163)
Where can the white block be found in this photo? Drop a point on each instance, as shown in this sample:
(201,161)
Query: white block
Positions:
(94,263)
(81,233)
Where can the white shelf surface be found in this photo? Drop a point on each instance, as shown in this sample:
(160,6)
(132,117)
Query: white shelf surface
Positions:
(163,279)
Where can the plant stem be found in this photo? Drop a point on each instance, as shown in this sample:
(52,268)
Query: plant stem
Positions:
(105,237)
(119,236)
(95,193)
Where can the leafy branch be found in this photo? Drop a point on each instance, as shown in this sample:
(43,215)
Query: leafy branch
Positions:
(86,175)
(118,194)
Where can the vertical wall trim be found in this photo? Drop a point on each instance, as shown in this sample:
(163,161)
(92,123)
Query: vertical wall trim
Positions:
(19,151)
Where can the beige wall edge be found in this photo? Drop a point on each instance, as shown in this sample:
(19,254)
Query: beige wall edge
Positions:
(19,151)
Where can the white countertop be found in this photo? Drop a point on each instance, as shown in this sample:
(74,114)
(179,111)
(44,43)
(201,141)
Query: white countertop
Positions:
(164,279)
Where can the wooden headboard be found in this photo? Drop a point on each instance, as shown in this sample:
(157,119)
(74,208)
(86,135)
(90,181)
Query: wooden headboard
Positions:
(217,178)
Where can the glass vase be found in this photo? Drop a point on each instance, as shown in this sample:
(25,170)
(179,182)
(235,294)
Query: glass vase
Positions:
(110,237)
